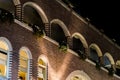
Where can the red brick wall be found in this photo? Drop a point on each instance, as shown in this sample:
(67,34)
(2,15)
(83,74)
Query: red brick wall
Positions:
(60,64)
(54,10)
(58,61)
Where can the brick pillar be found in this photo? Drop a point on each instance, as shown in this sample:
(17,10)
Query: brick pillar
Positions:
(18,12)
(10,67)
(87,52)
(15,65)
(47,29)
(30,69)
(70,42)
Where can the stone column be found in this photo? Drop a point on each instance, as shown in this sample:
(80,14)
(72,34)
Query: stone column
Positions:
(70,42)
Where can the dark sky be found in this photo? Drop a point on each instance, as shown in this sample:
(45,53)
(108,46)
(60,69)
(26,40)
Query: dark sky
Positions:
(103,14)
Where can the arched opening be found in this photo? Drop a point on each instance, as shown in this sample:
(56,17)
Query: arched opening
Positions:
(108,60)
(42,68)
(7,5)
(59,31)
(79,44)
(78,75)
(5,48)
(118,67)
(95,53)
(109,63)
(24,63)
(32,17)
(35,17)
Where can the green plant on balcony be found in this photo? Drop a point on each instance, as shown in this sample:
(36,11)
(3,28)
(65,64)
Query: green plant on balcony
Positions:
(63,46)
(37,31)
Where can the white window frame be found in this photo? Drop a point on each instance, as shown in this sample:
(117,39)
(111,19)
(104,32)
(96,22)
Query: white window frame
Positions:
(43,58)
(8,53)
(29,57)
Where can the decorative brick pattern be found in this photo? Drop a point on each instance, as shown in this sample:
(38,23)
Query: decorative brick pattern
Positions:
(47,29)
(18,12)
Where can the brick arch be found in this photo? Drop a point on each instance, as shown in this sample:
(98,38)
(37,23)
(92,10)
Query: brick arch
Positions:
(108,55)
(62,25)
(97,48)
(82,39)
(38,9)
(79,73)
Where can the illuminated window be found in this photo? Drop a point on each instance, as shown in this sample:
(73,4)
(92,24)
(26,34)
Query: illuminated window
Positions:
(41,70)
(78,75)
(3,58)
(23,65)
(76,78)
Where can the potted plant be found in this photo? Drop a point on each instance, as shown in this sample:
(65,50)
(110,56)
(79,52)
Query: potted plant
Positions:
(37,31)
(63,46)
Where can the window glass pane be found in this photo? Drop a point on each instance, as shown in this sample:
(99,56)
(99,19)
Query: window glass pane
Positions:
(41,62)
(41,69)
(3,45)
(23,62)
(22,75)
(107,62)
(3,62)
(23,67)
(2,70)
(76,78)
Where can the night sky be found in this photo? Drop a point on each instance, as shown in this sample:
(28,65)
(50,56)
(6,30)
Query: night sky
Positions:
(103,14)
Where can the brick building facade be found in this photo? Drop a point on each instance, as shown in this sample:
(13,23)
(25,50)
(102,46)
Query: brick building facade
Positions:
(70,48)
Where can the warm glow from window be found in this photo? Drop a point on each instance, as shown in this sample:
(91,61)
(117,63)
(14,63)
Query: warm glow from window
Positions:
(41,70)
(76,78)
(3,58)
(22,75)
(2,70)
(3,45)
(23,67)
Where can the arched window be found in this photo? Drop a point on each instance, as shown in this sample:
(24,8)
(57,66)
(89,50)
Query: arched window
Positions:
(78,75)
(3,58)
(24,64)
(42,69)
(5,48)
